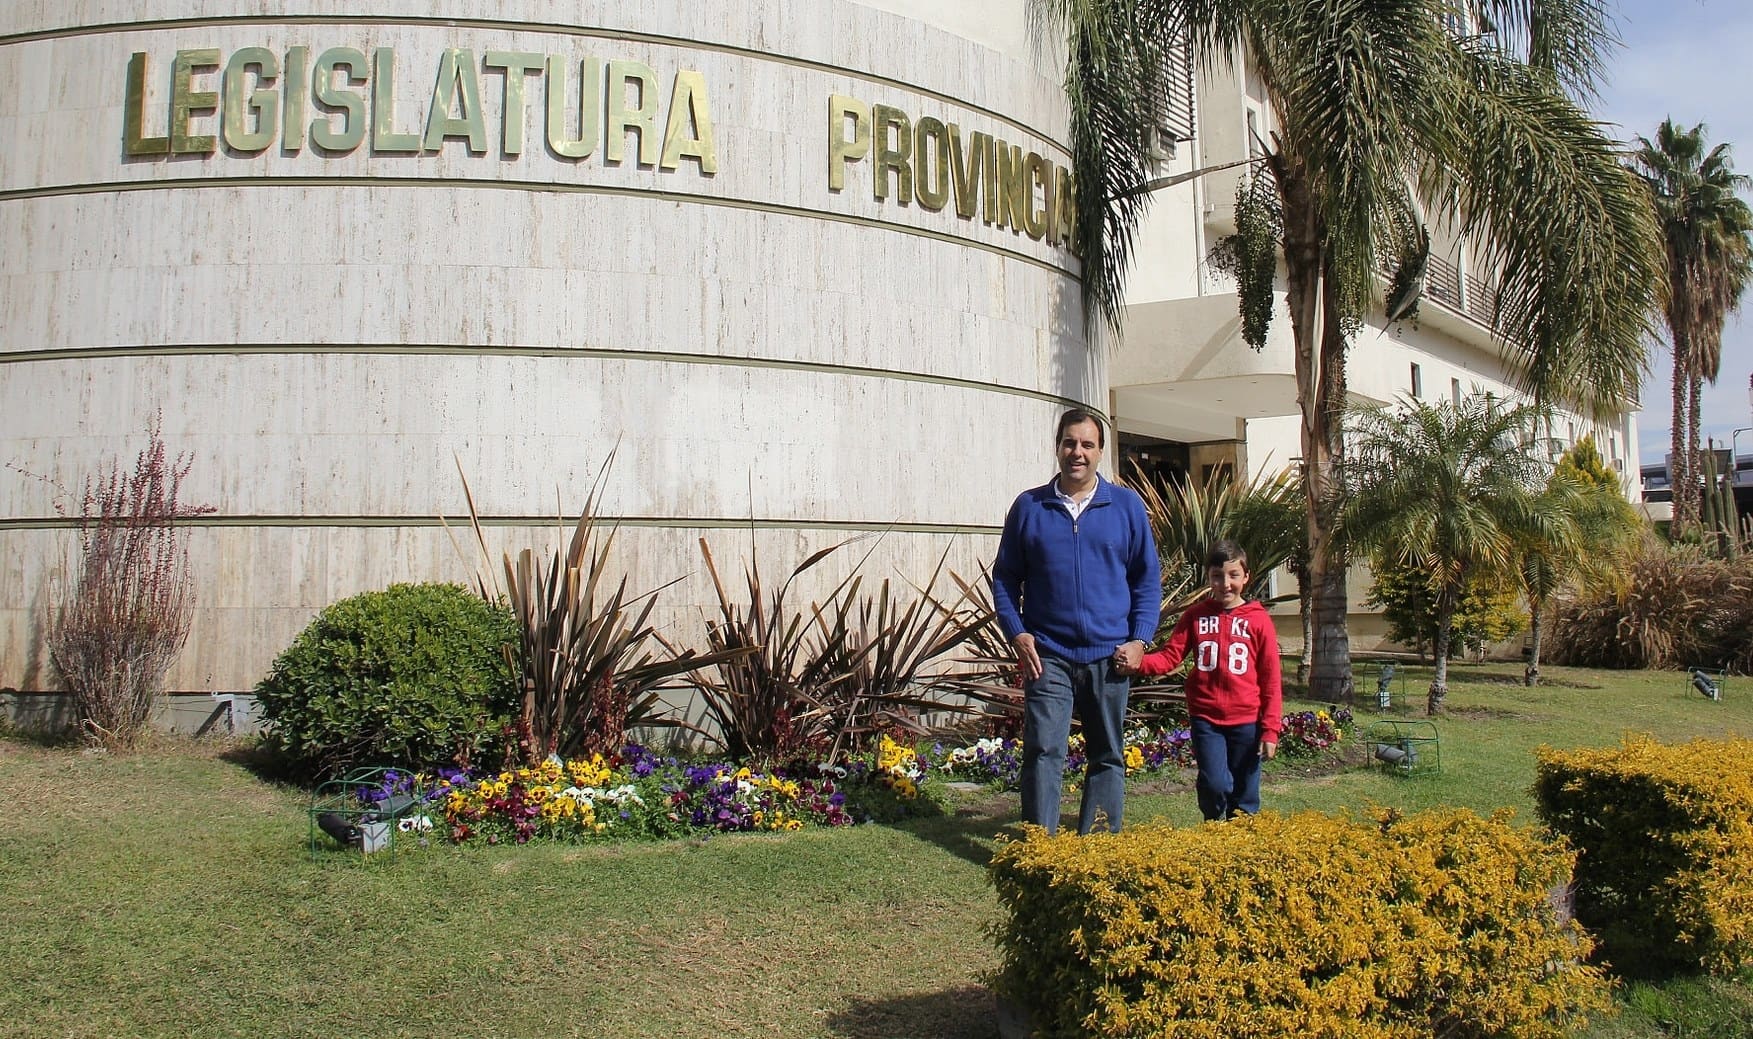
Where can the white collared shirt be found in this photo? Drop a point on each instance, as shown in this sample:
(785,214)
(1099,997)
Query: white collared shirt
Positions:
(1075,506)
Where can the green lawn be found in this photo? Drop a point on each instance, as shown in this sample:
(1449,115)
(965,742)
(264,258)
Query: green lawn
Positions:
(169,893)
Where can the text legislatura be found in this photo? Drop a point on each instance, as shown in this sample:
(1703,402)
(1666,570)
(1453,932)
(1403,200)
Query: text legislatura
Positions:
(263,96)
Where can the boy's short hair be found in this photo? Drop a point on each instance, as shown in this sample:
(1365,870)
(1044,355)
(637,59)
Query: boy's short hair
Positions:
(1224,551)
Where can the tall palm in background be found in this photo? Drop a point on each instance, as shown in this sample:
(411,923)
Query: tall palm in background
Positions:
(1386,113)
(1705,226)
(1453,490)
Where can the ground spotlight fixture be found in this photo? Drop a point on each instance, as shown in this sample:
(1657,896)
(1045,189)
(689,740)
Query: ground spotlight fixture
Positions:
(336,825)
(1396,754)
(1706,685)
(368,830)
(1385,687)
(391,807)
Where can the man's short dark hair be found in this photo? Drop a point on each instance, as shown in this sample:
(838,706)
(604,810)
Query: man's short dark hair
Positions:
(1075,416)
(1224,551)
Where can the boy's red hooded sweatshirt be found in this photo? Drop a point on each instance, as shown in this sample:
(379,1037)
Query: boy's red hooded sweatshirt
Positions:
(1235,675)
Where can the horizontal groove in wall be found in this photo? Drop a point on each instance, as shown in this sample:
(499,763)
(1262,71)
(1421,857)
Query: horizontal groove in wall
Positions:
(461,523)
(471,183)
(597,353)
(513,25)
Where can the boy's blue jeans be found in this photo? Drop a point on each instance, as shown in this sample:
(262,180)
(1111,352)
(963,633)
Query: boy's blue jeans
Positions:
(1229,768)
(1098,696)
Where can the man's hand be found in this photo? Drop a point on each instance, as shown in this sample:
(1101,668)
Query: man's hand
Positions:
(1028,661)
(1127,657)
(1268,750)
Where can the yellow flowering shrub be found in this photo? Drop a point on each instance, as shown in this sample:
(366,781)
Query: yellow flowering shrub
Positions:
(1664,840)
(1307,926)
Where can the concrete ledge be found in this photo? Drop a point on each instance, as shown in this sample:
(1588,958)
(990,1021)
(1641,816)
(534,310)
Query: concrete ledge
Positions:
(190,714)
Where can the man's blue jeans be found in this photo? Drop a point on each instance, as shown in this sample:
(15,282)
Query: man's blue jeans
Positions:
(1097,694)
(1229,768)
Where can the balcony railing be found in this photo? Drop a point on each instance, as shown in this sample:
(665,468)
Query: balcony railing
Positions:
(1463,294)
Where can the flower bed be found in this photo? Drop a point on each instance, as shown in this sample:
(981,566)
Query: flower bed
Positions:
(640,794)
(1307,734)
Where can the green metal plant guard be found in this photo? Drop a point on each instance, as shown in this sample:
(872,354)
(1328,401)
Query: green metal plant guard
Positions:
(1407,748)
(1384,686)
(366,826)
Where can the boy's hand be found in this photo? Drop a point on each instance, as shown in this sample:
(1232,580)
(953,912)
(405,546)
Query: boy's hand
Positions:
(1028,661)
(1268,750)
(1127,657)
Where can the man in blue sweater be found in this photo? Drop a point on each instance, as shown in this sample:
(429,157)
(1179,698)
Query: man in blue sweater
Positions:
(1078,590)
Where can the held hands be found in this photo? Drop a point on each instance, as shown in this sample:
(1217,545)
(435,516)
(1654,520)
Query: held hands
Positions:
(1128,656)
(1028,661)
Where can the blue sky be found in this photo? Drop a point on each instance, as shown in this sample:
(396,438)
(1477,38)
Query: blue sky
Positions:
(1692,59)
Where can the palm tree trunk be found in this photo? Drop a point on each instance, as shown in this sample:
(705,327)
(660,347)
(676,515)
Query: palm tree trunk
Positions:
(1439,684)
(1331,678)
(1305,606)
(1320,377)
(1697,486)
(1531,673)
(1680,477)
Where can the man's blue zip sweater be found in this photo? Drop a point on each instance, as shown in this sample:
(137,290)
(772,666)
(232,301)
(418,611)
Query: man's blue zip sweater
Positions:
(1081,587)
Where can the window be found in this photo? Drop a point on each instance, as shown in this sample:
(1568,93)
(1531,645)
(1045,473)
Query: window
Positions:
(1417,381)
(1459,19)
(1255,147)
(1455,391)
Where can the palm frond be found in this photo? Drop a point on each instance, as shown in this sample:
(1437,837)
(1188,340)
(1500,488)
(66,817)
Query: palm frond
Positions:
(1534,181)
(1263,514)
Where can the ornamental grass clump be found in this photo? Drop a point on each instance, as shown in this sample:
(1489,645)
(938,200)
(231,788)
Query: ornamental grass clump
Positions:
(1670,606)
(1309,925)
(1664,839)
(587,656)
(826,679)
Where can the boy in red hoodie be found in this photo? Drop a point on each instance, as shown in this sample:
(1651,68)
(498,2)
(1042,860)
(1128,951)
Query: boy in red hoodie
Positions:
(1234,697)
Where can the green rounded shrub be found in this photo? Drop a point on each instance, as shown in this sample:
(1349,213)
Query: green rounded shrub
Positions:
(408,676)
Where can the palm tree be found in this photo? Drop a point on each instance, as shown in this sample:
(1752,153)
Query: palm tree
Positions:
(1386,117)
(1260,514)
(1705,226)
(1450,489)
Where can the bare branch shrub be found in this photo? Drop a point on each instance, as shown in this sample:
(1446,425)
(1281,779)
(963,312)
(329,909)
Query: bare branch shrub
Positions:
(120,623)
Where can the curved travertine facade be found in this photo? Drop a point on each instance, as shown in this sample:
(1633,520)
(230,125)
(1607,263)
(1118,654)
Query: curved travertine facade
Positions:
(803,263)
